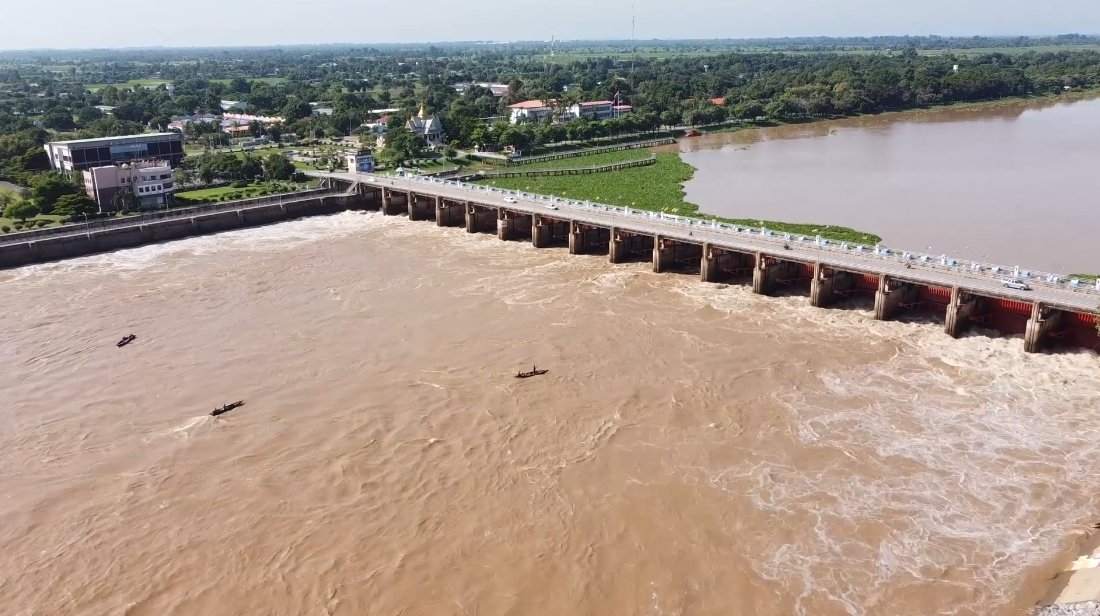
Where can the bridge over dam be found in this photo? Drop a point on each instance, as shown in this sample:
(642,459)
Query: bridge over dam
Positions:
(1054,313)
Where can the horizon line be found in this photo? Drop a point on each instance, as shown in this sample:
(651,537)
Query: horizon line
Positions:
(532,41)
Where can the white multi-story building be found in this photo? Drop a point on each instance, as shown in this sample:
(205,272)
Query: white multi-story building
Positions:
(599,110)
(150,182)
(592,110)
(538,111)
(81,154)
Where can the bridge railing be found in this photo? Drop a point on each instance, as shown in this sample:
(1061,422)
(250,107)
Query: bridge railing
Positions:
(181,212)
(960,267)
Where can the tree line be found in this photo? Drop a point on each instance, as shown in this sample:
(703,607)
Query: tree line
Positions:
(39,103)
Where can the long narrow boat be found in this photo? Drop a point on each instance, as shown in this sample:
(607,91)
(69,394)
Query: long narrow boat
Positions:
(534,371)
(226,408)
(125,340)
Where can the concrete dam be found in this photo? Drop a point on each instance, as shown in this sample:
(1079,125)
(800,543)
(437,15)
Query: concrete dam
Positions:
(1055,314)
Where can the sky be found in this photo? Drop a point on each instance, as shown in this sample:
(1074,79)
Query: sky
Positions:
(86,23)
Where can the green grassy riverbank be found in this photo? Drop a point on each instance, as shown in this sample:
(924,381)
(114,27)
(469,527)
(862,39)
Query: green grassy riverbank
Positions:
(659,188)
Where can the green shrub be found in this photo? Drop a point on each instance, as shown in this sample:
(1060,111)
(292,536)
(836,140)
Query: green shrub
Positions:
(18,225)
(239,184)
(5,229)
(42,223)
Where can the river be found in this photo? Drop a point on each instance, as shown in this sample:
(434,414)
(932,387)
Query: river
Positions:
(694,449)
(1012,184)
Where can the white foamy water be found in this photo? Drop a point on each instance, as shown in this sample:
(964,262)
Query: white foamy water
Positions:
(693,449)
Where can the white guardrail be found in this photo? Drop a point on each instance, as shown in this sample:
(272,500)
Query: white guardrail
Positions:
(943,263)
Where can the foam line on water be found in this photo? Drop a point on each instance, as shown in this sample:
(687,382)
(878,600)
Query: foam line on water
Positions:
(281,236)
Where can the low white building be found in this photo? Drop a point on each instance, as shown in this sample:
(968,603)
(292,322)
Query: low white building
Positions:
(377,128)
(360,162)
(499,90)
(150,182)
(529,111)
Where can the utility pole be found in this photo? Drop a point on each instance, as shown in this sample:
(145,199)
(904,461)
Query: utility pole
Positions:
(633,53)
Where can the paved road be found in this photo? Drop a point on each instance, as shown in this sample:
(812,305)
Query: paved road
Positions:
(932,271)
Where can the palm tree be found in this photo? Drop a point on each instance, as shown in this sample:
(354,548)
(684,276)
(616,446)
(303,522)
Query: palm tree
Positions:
(123,199)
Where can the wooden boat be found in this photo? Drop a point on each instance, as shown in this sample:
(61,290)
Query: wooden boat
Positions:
(126,340)
(534,371)
(226,408)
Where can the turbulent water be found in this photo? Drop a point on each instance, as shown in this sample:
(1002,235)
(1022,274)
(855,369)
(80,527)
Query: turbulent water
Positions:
(694,449)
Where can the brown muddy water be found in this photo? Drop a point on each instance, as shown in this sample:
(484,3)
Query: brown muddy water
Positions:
(694,449)
(1012,184)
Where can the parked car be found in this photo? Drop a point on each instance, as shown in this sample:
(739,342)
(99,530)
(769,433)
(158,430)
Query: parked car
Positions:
(509,200)
(551,206)
(1015,283)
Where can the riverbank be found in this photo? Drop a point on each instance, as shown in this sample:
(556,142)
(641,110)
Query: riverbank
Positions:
(1071,96)
(1075,590)
(659,188)
(961,182)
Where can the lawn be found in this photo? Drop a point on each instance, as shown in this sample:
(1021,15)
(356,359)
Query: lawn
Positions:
(1085,277)
(258,79)
(229,193)
(659,188)
(133,83)
(50,218)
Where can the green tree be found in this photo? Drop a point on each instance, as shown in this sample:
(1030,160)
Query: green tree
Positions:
(124,200)
(47,188)
(747,110)
(401,145)
(21,209)
(278,167)
(87,115)
(296,109)
(251,167)
(183,176)
(74,206)
(240,85)
(58,119)
(515,137)
(670,118)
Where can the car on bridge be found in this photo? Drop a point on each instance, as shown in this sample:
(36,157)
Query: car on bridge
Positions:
(509,200)
(1015,283)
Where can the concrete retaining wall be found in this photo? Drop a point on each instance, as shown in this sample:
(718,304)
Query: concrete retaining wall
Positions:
(49,248)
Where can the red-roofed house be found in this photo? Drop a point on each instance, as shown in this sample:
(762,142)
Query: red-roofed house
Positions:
(620,110)
(718,102)
(529,111)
